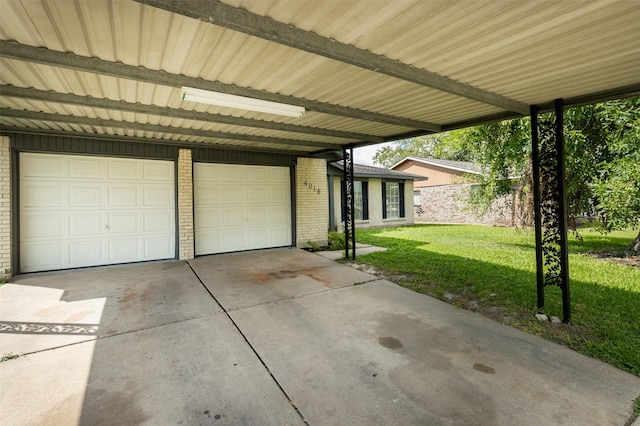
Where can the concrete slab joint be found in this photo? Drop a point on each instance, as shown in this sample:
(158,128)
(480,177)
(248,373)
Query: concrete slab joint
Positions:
(185,205)
(5,209)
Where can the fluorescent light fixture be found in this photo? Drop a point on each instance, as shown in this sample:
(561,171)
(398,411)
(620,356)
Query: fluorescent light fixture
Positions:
(241,102)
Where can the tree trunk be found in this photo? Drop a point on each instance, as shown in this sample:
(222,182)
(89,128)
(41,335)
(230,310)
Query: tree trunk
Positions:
(635,245)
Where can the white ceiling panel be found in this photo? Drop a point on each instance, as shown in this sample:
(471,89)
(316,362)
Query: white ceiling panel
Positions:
(366,70)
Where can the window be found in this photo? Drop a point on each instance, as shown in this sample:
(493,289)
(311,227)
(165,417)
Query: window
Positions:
(417,198)
(392,200)
(360,200)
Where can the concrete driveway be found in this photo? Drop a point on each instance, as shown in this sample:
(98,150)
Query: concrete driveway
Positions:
(278,337)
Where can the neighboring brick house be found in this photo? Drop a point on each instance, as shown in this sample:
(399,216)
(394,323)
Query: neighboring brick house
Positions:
(436,172)
(441,196)
(383,197)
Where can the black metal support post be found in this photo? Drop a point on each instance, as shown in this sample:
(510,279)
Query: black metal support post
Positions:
(562,211)
(552,261)
(535,165)
(349,203)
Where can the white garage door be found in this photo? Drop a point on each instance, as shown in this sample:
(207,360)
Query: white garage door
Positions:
(86,211)
(240,207)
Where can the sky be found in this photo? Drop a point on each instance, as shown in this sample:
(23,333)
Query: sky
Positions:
(365,154)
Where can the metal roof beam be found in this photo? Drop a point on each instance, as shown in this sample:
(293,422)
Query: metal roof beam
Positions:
(98,122)
(21,130)
(246,22)
(40,55)
(70,99)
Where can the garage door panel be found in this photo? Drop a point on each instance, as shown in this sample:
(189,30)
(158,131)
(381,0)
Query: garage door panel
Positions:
(123,222)
(280,236)
(258,238)
(123,196)
(154,171)
(86,224)
(257,216)
(43,256)
(120,250)
(81,195)
(157,196)
(158,247)
(209,242)
(43,194)
(233,240)
(280,215)
(232,195)
(257,174)
(43,225)
(204,174)
(85,168)
(232,217)
(43,166)
(241,207)
(88,211)
(158,221)
(206,196)
(85,253)
(125,169)
(258,195)
(279,195)
(233,173)
(279,175)
(206,220)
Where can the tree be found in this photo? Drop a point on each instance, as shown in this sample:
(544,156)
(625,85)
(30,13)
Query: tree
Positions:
(617,181)
(602,149)
(446,146)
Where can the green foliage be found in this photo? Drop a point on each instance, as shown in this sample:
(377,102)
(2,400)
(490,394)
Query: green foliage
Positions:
(602,150)
(336,241)
(492,270)
(313,245)
(447,146)
(616,183)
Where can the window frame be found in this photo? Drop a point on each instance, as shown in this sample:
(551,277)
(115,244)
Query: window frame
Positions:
(365,200)
(401,207)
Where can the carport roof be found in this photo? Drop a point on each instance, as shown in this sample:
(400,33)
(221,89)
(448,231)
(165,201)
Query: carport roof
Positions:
(366,71)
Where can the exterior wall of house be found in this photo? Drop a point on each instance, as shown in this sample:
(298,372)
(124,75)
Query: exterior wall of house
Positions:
(312,202)
(185,205)
(447,204)
(436,175)
(375,206)
(309,187)
(5,208)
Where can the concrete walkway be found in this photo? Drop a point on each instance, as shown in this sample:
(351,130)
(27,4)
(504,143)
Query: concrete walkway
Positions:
(278,337)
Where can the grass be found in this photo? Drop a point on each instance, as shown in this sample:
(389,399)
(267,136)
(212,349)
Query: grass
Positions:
(492,271)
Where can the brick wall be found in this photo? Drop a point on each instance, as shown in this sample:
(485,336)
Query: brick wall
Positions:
(447,204)
(185,205)
(5,208)
(312,202)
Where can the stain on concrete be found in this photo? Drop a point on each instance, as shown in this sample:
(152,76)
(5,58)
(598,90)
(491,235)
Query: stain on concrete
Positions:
(390,342)
(77,316)
(315,273)
(435,370)
(484,368)
(104,407)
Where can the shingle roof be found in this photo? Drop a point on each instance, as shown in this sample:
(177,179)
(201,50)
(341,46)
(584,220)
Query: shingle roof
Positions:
(463,166)
(361,170)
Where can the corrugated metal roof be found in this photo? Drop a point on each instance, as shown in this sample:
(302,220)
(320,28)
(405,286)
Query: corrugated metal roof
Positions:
(377,70)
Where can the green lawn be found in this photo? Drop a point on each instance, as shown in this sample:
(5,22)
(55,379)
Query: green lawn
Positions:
(492,271)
